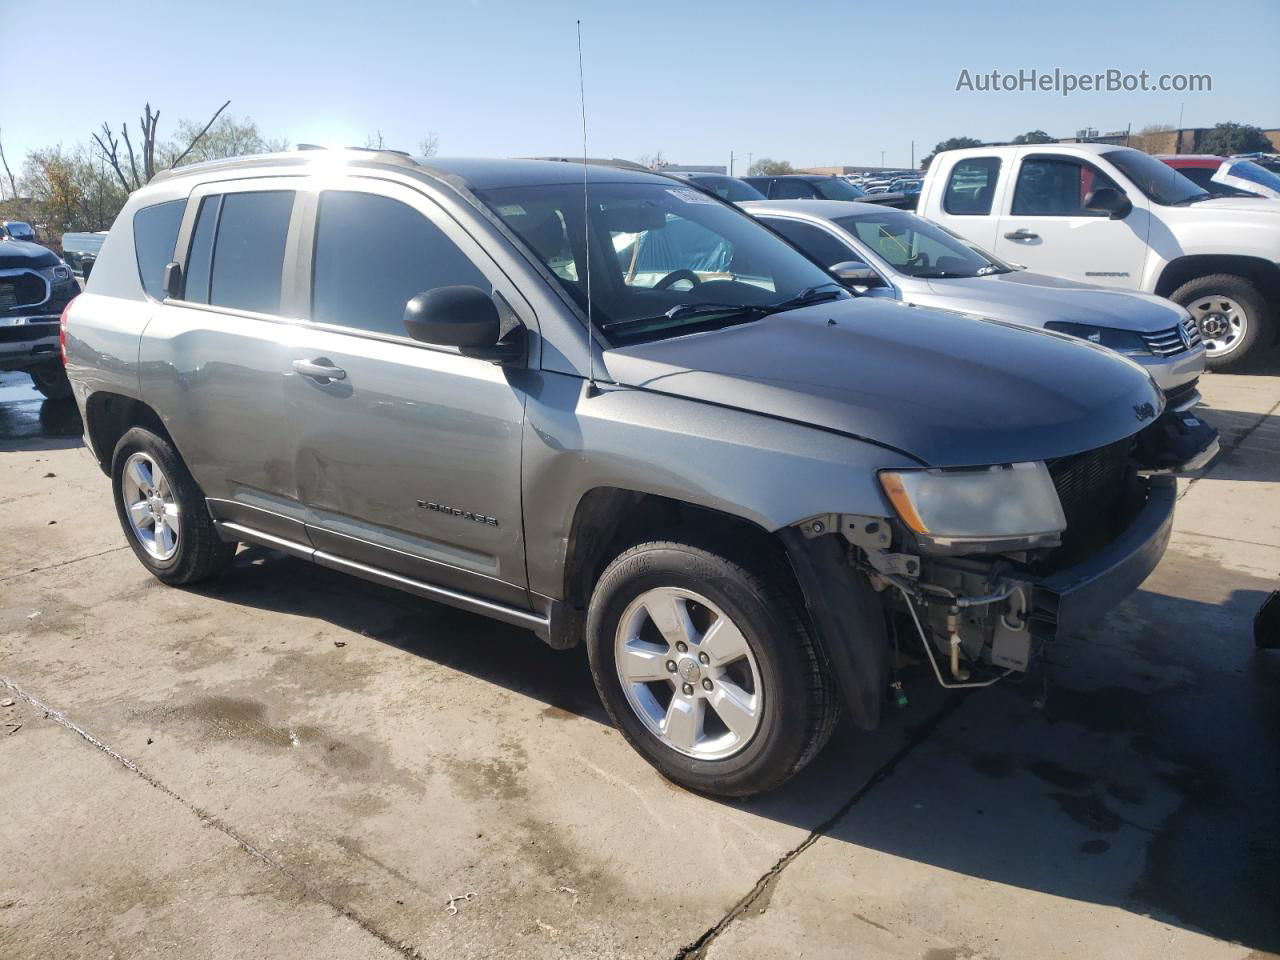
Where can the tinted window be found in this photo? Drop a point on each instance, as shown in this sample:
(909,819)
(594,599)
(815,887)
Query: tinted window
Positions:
(1057,187)
(155,234)
(373,254)
(196,285)
(814,241)
(1157,180)
(837,189)
(972,186)
(728,188)
(791,190)
(248,256)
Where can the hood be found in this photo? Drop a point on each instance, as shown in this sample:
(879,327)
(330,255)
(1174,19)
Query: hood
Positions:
(16,254)
(1239,205)
(946,389)
(1034,298)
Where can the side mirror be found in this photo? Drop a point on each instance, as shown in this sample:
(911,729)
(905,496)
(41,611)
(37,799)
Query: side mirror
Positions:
(1109,201)
(464,317)
(855,273)
(171,284)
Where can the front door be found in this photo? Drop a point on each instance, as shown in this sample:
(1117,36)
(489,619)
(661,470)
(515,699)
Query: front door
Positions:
(407,455)
(1048,229)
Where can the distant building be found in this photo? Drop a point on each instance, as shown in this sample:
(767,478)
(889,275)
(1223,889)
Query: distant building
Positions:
(1184,140)
(846,171)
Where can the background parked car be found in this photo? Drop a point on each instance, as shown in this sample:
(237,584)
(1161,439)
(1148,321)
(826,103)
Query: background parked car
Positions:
(35,287)
(17,230)
(896,254)
(726,188)
(80,251)
(809,186)
(1221,177)
(1120,218)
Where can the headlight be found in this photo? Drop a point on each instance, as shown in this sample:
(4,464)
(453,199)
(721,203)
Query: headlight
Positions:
(59,273)
(1121,341)
(1010,506)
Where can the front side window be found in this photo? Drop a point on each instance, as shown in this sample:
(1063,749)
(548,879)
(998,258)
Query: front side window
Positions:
(918,248)
(663,258)
(155,234)
(814,241)
(971,188)
(248,250)
(1057,187)
(200,257)
(374,254)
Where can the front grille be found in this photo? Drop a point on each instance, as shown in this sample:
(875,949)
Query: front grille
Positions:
(1168,343)
(22,290)
(1091,487)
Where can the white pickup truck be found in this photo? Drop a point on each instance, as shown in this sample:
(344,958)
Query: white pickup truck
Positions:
(1117,217)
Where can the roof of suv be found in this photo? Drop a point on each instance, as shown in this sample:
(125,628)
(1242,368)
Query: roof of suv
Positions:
(475,173)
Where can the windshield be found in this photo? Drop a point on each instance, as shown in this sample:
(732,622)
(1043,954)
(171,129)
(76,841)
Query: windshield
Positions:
(1160,182)
(918,248)
(728,188)
(664,258)
(1250,176)
(837,189)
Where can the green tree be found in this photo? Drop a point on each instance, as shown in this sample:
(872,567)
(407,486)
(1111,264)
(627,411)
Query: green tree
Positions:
(1033,136)
(1227,138)
(953,143)
(764,167)
(227,137)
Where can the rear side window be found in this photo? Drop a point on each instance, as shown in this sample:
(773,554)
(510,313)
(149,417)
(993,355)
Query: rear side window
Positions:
(248,252)
(791,190)
(972,186)
(155,234)
(372,255)
(814,241)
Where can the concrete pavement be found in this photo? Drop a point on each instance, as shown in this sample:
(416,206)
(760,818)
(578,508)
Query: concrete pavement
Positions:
(293,763)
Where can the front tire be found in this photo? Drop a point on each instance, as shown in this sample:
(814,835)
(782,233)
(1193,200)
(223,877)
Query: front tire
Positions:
(1231,315)
(51,381)
(163,512)
(708,669)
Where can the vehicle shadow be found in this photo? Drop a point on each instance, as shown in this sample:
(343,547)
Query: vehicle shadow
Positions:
(1139,774)
(30,422)
(1250,444)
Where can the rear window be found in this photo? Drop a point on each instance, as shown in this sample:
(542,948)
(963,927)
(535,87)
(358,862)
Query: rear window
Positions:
(248,254)
(972,186)
(155,234)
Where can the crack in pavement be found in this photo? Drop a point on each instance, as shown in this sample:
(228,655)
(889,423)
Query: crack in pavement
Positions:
(697,950)
(62,563)
(403,949)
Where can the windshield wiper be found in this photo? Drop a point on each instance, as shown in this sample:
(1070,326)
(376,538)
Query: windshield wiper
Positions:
(807,296)
(684,311)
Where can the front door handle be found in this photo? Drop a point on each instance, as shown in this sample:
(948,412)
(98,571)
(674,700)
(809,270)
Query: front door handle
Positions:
(320,369)
(1022,234)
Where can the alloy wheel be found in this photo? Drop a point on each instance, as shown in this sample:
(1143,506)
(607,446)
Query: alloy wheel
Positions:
(150,506)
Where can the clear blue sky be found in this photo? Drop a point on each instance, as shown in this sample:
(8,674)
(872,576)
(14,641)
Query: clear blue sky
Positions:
(813,83)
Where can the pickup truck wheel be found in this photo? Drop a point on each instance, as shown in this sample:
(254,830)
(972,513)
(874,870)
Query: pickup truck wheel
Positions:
(163,512)
(708,669)
(51,381)
(1230,314)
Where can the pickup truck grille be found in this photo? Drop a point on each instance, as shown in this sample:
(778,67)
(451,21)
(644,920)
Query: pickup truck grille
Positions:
(23,289)
(1091,487)
(1168,343)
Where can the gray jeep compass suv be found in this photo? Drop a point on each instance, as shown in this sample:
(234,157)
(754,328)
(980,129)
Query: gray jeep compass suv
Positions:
(625,414)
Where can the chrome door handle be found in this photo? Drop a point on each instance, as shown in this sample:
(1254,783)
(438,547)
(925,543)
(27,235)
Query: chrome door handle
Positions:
(1022,234)
(320,369)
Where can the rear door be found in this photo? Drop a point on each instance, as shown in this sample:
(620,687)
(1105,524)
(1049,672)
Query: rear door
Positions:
(1048,229)
(213,362)
(410,461)
(967,200)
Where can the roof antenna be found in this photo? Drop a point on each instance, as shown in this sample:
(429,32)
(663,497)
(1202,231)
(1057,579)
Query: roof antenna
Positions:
(592,389)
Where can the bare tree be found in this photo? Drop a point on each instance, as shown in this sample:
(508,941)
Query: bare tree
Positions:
(373,143)
(430,145)
(109,147)
(13,186)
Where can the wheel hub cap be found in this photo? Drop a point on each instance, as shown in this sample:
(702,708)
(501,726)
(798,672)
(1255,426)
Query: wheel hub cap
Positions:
(150,506)
(688,673)
(1222,323)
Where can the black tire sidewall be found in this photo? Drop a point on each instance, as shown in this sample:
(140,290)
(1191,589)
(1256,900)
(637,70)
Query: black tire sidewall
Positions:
(189,499)
(1243,292)
(781,738)
(51,381)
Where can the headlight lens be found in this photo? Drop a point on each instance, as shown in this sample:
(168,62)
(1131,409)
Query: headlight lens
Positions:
(1121,341)
(59,273)
(1016,502)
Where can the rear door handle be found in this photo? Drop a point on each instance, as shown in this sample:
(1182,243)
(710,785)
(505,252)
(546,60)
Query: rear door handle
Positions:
(320,369)
(1022,234)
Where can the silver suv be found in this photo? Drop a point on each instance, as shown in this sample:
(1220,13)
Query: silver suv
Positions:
(619,412)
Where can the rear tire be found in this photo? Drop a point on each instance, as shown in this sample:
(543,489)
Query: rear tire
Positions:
(163,512)
(51,381)
(1232,317)
(750,701)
